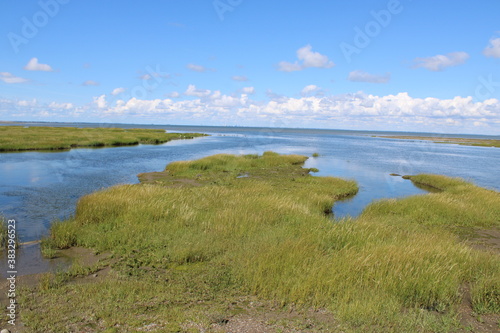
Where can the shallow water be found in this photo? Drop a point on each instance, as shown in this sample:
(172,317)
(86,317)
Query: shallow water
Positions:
(37,188)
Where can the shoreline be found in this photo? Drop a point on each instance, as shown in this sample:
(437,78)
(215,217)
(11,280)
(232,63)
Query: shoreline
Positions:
(58,139)
(214,238)
(445,140)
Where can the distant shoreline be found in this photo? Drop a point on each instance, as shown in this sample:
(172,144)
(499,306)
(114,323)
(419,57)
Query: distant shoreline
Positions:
(35,138)
(459,141)
(225,128)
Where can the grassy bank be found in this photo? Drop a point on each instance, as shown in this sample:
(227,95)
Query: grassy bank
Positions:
(459,141)
(211,243)
(17,138)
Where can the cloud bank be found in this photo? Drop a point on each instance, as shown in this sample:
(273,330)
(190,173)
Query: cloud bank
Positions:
(348,111)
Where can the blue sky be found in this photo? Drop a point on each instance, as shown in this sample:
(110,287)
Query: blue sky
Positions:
(381,65)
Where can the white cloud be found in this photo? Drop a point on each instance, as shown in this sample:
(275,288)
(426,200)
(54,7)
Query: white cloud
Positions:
(101,102)
(285,66)
(248,90)
(65,106)
(313,59)
(240,78)
(10,78)
(192,91)
(349,111)
(117,91)
(307,59)
(361,76)
(440,62)
(34,65)
(33,102)
(173,94)
(198,68)
(493,49)
(90,83)
(310,89)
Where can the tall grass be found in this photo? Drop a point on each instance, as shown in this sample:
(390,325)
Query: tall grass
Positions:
(398,267)
(4,233)
(17,138)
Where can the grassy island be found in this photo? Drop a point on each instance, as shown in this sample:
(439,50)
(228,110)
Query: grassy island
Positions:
(235,243)
(18,138)
(459,141)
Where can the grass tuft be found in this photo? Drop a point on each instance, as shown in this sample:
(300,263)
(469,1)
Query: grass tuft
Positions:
(399,267)
(17,138)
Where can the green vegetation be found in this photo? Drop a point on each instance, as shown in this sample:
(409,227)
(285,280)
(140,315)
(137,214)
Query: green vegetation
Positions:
(460,141)
(315,155)
(4,235)
(196,246)
(17,138)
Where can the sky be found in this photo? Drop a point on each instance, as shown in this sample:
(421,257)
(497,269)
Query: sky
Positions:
(407,65)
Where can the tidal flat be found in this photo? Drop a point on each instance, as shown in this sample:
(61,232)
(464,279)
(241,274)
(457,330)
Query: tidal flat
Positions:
(197,247)
(18,138)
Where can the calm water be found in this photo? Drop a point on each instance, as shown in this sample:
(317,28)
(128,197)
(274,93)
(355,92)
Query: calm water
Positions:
(37,188)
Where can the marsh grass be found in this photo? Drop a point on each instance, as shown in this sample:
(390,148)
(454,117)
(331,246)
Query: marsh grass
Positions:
(17,138)
(399,267)
(4,235)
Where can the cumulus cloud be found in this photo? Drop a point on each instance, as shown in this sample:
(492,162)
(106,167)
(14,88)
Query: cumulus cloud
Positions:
(10,78)
(101,102)
(248,90)
(310,89)
(199,68)
(361,76)
(440,62)
(117,91)
(240,78)
(33,102)
(65,106)
(350,111)
(90,83)
(192,91)
(493,49)
(34,65)
(306,59)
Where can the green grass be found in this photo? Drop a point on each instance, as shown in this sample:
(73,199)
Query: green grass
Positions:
(184,254)
(4,235)
(17,138)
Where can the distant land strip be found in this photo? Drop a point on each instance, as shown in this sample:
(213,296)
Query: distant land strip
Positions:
(16,138)
(459,141)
